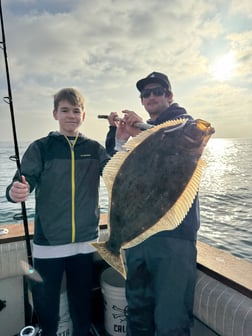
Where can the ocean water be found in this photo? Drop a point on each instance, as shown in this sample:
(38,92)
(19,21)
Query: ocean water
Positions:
(225,194)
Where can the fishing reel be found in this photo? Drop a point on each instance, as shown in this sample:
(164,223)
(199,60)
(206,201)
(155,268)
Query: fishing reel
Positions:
(30,331)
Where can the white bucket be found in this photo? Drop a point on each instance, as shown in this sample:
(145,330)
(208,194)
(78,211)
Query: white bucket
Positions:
(115,304)
(65,327)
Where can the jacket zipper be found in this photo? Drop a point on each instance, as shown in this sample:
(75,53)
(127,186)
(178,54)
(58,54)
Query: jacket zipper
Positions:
(72,144)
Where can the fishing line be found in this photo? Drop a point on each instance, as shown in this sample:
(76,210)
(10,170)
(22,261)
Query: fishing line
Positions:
(8,100)
(23,216)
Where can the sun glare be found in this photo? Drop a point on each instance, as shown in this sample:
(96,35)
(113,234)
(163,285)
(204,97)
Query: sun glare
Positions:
(224,67)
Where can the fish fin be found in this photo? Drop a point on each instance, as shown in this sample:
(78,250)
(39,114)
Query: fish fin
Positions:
(110,171)
(175,215)
(116,261)
(30,272)
(113,166)
(137,140)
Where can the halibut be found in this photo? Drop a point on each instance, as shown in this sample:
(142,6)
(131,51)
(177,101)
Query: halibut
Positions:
(152,184)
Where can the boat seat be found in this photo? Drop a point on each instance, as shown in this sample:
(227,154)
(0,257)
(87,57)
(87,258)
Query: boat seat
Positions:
(223,309)
(10,256)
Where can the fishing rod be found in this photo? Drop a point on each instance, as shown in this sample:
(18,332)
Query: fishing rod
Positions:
(142,126)
(27,268)
(8,100)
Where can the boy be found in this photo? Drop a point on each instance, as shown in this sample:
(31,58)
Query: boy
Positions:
(64,168)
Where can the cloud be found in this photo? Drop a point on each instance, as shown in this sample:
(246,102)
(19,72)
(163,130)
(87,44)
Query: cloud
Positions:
(103,47)
(241,43)
(243,7)
(221,105)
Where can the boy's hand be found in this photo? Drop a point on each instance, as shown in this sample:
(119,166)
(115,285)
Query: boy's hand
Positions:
(19,191)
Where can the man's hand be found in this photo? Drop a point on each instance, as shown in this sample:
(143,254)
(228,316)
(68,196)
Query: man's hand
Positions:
(130,118)
(113,119)
(122,133)
(125,127)
(19,191)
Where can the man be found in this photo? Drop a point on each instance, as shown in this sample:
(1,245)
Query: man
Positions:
(161,271)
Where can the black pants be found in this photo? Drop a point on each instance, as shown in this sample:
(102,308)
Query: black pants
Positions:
(46,295)
(161,274)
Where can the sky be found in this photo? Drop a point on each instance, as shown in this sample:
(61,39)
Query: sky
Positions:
(103,47)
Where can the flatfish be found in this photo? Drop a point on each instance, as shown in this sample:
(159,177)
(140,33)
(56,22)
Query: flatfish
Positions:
(152,184)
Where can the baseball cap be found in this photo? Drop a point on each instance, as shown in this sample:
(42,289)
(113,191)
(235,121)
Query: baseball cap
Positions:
(154,77)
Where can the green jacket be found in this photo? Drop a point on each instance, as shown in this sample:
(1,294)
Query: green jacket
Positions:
(66,180)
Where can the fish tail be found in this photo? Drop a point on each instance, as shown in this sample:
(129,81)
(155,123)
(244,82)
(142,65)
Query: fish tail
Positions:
(114,260)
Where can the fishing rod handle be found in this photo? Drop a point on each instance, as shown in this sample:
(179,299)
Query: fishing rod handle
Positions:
(142,126)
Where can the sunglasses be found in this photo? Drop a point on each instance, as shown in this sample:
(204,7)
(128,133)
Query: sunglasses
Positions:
(157,91)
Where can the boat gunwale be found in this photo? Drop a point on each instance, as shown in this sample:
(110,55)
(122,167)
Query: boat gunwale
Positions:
(221,265)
